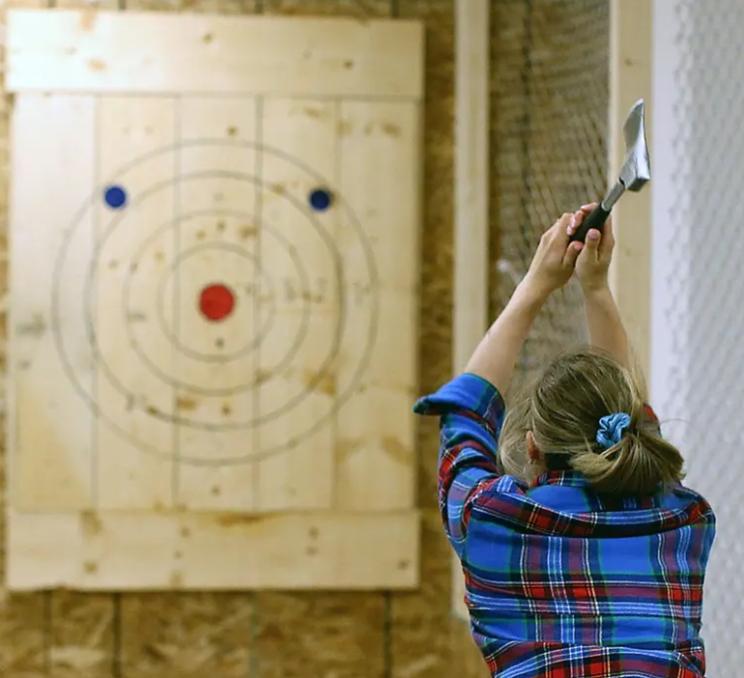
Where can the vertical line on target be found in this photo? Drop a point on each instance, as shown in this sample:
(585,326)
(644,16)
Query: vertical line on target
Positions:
(94,498)
(257,217)
(338,113)
(176,430)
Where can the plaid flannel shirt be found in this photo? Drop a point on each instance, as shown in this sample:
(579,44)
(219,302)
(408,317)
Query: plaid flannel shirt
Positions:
(560,581)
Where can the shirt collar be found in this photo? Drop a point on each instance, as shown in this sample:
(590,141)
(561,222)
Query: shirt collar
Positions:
(565,478)
(605,502)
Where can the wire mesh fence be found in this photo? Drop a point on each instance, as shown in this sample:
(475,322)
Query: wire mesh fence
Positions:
(699,279)
(549,131)
(549,138)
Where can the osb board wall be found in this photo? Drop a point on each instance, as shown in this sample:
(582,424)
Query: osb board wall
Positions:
(270,634)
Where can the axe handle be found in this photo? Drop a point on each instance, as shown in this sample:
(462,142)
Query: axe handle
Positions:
(595,220)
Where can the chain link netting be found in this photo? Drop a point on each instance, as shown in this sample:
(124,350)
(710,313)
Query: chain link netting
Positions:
(549,140)
(700,308)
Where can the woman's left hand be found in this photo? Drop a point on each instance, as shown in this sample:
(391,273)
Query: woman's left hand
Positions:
(555,258)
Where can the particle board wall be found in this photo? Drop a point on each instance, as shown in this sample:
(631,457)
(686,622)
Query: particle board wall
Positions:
(275,634)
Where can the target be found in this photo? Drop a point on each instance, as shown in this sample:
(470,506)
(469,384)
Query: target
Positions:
(213,301)
(207,286)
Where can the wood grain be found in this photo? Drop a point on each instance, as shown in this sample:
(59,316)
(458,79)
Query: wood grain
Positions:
(472,242)
(630,79)
(302,132)
(160,426)
(121,550)
(50,432)
(375,459)
(186,635)
(219,246)
(134,460)
(98,52)
(83,645)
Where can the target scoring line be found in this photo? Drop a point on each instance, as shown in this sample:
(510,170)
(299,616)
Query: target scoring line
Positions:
(341,397)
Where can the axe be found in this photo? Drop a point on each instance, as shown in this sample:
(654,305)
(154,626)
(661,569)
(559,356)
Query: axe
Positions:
(636,171)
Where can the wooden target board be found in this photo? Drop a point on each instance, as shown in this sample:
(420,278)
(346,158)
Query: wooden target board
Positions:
(214,235)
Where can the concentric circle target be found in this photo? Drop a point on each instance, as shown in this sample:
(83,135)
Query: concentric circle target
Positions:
(205,284)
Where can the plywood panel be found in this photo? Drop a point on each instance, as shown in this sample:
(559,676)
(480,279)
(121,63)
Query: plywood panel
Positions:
(82,640)
(205,6)
(379,151)
(24,619)
(23,649)
(296,368)
(291,210)
(347,636)
(51,426)
(135,404)
(99,551)
(350,8)
(87,5)
(166,635)
(76,50)
(217,356)
(423,641)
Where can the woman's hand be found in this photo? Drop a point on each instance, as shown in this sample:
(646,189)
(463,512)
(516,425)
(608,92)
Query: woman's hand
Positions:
(593,264)
(605,325)
(555,258)
(552,267)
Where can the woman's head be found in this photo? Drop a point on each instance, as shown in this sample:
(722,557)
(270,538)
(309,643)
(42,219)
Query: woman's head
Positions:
(560,416)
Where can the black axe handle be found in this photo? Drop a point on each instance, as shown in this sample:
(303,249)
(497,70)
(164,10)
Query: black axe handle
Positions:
(595,220)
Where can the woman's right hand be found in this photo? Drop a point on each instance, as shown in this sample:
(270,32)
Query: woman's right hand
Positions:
(593,263)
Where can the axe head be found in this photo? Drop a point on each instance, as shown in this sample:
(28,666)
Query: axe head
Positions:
(636,170)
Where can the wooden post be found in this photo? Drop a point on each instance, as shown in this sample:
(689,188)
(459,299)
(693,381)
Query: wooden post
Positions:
(470,315)
(630,79)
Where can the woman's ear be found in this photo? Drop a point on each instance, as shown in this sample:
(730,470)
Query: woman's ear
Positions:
(532,449)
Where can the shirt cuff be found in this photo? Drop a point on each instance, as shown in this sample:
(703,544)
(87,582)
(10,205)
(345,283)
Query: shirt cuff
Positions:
(466,392)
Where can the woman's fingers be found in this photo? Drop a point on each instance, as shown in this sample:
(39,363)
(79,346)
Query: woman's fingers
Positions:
(593,239)
(579,216)
(574,223)
(608,240)
(565,225)
(572,253)
(557,237)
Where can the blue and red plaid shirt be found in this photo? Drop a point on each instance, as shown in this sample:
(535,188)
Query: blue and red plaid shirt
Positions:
(562,582)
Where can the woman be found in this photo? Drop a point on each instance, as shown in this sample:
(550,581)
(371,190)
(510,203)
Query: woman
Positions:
(588,560)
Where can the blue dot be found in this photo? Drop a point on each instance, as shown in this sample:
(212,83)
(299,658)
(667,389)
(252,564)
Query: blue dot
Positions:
(115,197)
(320,199)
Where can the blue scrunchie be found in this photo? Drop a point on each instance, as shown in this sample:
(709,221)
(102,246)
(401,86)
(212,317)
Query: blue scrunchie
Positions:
(611,429)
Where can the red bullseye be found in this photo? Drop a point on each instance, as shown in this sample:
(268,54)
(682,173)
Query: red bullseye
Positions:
(216,302)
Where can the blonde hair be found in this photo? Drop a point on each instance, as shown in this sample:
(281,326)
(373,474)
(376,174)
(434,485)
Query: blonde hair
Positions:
(563,410)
